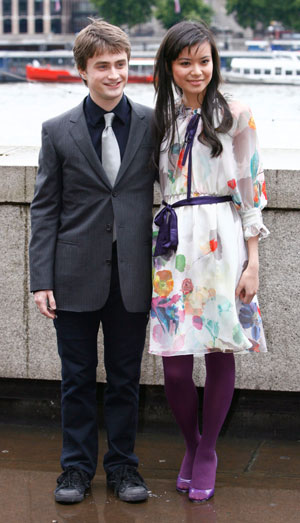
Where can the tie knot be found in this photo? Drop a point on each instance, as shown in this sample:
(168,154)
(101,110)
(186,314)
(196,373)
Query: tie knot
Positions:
(108,117)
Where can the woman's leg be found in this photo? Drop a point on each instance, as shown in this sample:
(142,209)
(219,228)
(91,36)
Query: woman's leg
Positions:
(218,392)
(182,397)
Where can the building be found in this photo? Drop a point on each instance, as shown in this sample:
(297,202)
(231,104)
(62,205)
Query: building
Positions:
(37,17)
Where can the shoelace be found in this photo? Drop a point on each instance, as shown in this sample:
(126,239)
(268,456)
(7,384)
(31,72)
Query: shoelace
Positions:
(129,474)
(73,477)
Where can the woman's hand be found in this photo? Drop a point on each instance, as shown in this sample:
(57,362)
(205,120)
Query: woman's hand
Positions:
(249,282)
(248,285)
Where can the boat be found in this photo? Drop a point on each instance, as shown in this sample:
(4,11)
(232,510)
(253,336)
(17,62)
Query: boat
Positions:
(51,74)
(277,69)
(140,71)
(13,63)
(38,73)
(59,66)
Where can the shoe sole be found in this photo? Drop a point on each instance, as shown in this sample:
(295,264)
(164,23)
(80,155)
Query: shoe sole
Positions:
(182,490)
(134,498)
(68,501)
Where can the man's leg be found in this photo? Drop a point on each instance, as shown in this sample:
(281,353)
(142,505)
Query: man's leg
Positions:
(77,347)
(124,338)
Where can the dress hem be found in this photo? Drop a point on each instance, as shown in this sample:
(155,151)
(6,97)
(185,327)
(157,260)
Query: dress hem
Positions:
(213,351)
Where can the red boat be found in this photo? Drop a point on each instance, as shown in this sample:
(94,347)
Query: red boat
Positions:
(49,73)
(140,71)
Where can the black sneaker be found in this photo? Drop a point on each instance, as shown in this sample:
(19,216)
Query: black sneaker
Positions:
(72,485)
(127,484)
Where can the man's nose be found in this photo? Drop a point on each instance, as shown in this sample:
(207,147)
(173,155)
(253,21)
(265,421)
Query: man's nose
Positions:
(113,72)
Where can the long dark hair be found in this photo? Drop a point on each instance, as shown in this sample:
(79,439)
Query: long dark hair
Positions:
(187,34)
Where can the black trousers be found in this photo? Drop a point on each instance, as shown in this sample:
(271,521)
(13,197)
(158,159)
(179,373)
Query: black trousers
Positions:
(124,338)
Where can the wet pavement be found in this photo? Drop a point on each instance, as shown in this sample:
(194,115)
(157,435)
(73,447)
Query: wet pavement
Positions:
(258,481)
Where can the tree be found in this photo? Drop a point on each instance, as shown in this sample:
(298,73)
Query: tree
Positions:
(190,9)
(249,13)
(124,12)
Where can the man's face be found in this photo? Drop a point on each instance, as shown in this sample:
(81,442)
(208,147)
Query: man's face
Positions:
(106,75)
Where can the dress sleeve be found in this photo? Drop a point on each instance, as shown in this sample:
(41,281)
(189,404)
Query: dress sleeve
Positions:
(251,195)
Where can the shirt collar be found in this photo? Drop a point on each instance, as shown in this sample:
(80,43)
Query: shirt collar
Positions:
(96,113)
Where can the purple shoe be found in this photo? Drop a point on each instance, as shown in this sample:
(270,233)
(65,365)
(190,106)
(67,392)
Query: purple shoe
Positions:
(183,485)
(198,495)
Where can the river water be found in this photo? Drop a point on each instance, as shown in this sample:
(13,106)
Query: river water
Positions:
(25,106)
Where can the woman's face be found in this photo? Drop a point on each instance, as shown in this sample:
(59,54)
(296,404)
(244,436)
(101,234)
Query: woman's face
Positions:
(192,71)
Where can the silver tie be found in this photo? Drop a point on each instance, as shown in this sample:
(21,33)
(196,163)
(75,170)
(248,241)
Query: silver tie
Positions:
(110,152)
(111,158)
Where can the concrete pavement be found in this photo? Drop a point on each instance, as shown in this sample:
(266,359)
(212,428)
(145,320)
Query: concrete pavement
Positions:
(257,481)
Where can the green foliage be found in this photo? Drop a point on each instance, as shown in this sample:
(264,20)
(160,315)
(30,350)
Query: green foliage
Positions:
(190,10)
(124,12)
(249,13)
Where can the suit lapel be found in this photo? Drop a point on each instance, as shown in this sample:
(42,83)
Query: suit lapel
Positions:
(137,131)
(80,134)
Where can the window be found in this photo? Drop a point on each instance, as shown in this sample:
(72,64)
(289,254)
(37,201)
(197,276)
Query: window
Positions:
(23,25)
(22,7)
(298,72)
(39,27)
(246,71)
(55,7)
(7,25)
(267,71)
(6,8)
(277,70)
(288,72)
(38,7)
(257,71)
(56,25)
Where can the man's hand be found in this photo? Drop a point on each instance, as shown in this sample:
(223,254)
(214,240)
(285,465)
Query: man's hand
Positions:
(46,303)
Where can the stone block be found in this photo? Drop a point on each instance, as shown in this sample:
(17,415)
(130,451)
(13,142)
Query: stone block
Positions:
(13,292)
(283,189)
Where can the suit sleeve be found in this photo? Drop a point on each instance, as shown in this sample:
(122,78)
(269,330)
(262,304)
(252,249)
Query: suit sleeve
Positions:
(45,215)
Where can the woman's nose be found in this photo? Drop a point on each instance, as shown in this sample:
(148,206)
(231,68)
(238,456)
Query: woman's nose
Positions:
(197,69)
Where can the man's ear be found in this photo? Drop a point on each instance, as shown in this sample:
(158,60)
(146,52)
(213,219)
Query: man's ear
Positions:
(82,73)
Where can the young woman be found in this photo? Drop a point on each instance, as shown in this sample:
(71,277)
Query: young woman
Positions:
(205,242)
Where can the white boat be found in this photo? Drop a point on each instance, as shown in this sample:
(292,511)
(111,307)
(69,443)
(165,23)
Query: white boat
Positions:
(277,69)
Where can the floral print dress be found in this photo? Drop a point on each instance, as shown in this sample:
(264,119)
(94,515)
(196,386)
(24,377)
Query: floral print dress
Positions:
(194,308)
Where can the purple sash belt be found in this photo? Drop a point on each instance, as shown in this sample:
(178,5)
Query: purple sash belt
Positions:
(166,220)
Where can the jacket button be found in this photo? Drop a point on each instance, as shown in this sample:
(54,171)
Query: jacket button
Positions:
(114,194)
(108,227)
(108,262)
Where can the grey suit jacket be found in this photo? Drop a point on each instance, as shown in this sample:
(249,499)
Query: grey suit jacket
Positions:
(73,210)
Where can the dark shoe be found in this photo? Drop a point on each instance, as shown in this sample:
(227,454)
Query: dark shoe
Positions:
(127,484)
(72,485)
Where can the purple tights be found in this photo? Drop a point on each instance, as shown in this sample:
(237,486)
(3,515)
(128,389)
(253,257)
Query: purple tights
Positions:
(200,462)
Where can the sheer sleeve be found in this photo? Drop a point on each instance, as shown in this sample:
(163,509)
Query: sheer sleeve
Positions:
(250,197)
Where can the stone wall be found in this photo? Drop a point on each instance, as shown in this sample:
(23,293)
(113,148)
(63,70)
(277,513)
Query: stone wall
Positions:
(27,339)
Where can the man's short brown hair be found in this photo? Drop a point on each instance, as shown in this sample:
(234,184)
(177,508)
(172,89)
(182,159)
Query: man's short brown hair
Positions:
(99,37)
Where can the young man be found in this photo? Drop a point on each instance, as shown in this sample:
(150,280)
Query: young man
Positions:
(90,259)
